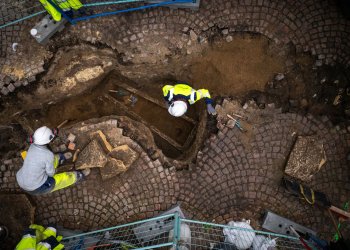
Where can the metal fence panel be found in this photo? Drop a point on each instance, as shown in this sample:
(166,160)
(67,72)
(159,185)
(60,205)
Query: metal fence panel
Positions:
(138,235)
(205,235)
(12,12)
(172,232)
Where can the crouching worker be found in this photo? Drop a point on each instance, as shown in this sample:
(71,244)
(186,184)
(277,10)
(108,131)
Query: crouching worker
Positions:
(37,175)
(180,96)
(37,237)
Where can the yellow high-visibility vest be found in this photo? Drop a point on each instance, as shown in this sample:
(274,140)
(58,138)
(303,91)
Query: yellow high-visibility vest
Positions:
(39,238)
(65,5)
(183,90)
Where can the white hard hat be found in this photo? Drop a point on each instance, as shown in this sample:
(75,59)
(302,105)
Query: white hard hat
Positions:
(43,136)
(177,108)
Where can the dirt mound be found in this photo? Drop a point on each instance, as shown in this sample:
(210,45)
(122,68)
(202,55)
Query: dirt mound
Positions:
(246,63)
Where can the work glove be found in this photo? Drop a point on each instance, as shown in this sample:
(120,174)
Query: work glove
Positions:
(62,159)
(211,109)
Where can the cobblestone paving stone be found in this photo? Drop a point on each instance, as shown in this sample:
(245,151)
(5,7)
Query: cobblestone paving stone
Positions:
(11,11)
(247,177)
(311,26)
(315,26)
(233,179)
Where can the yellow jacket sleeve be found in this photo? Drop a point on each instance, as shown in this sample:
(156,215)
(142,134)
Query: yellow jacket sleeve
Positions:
(166,92)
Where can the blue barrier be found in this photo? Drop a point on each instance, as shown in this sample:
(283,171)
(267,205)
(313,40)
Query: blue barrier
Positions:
(131,9)
(97,4)
(22,19)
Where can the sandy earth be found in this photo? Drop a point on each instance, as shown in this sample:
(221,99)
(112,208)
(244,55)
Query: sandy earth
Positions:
(234,68)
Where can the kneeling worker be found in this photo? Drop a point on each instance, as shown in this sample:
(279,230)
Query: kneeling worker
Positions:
(180,96)
(37,175)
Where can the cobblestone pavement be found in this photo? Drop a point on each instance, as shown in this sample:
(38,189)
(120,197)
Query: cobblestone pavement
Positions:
(233,179)
(315,26)
(311,26)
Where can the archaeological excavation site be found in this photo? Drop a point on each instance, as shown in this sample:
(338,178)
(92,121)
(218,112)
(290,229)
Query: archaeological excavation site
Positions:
(179,124)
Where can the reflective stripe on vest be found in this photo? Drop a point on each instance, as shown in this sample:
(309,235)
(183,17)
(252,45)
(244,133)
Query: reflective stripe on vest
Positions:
(52,229)
(171,94)
(63,4)
(192,100)
(44,245)
(27,242)
(28,236)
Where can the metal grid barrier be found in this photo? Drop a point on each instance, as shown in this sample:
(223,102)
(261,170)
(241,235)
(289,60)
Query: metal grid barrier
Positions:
(172,232)
(146,234)
(143,4)
(12,12)
(205,235)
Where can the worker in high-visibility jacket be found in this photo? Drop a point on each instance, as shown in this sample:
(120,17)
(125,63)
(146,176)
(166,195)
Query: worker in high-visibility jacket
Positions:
(180,96)
(64,5)
(36,237)
(37,175)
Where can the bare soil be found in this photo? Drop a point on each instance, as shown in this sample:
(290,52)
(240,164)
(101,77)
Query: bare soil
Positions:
(244,68)
(93,104)
(237,67)
(16,213)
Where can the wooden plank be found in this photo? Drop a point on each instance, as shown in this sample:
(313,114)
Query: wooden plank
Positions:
(151,99)
(334,223)
(75,156)
(151,127)
(62,124)
(22,120)
(340,212)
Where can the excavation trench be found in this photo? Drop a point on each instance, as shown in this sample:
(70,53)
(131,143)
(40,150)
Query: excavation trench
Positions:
(114,95)
(245,69)
(221,69)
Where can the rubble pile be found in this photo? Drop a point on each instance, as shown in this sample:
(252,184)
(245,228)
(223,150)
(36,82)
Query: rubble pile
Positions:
(95,149)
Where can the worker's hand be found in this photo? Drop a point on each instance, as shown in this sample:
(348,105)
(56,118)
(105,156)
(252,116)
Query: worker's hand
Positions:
(62,159)
(211,109)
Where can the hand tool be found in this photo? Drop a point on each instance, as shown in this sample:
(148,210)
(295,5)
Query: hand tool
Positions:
(306,246)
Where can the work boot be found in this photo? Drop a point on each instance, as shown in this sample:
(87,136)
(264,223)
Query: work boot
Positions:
(86,172)
(81,174)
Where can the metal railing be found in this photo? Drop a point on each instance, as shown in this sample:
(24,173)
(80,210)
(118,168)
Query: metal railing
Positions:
(173,232)
(13,12)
